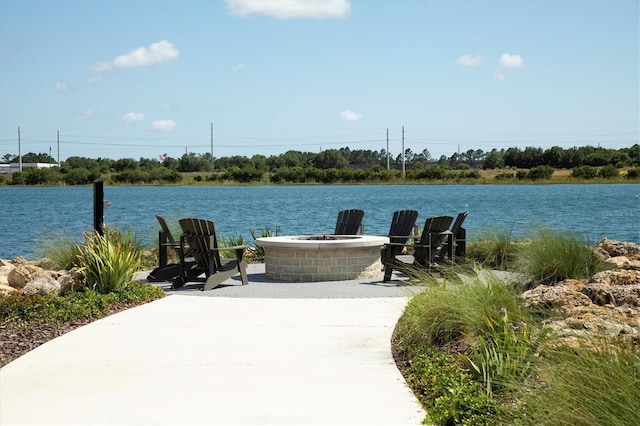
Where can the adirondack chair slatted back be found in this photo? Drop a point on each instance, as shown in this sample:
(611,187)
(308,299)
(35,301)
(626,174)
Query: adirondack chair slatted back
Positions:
(349,222)
(165,229)
(200,236)
(460,235)
(401,226)
(432,237)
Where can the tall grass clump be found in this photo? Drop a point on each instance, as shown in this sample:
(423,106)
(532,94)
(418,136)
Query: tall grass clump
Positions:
(456,308)
(108,262)
(597,383)
(555,256)
(449,318)
(59,253)
(493,249)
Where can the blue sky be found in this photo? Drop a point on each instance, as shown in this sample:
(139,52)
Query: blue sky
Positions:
(132,79)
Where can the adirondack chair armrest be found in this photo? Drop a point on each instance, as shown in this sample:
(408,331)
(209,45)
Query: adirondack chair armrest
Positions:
(399,236)
(230,248)
(398,244)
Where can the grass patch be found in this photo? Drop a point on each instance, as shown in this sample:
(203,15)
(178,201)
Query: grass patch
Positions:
(596,383)
(551,257)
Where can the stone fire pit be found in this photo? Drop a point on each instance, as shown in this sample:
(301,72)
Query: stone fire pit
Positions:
(322,257)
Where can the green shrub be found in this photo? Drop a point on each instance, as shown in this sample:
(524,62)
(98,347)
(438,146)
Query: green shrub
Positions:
(449,395)
(505,176)
(633,173)
(555,256)
(609,171)
(108,262)
(585,172)
(20,311)
(540,173)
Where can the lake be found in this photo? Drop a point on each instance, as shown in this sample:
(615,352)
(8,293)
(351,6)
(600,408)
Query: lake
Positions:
(31,215)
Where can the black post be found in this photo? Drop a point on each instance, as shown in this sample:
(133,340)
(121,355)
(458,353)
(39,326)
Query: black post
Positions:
(98,206)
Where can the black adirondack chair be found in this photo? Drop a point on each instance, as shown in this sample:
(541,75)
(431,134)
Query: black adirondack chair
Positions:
(166,241)
(400,231)
(436,230)
(455,248)
(349,222)
(199,238)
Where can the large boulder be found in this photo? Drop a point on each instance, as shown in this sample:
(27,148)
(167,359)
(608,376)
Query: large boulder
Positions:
(5,268)
(618,248)
(22,273)
(41,284)
(607,304)
(69,281)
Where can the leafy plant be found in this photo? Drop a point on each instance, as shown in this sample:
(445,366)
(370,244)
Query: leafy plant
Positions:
(449,395)
(257,252)
(230,242)
(505,355)
(108,262)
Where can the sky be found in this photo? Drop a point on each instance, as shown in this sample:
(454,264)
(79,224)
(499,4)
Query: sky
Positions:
(138,79)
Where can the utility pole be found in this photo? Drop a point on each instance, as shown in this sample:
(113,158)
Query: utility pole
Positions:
(387,148)
(19,152)
(213,166)
(58,148)
(404,173)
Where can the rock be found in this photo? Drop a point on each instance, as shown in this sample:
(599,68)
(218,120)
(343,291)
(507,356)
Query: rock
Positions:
(5,269)
(41,284)
(23,273)
(560,296)
(617,277)
(69,281)
(622,262)
(618,248)
(6,290)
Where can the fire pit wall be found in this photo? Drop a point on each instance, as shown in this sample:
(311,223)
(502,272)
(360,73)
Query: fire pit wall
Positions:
(318,258)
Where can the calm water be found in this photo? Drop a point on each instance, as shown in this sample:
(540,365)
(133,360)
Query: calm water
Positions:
(30,215)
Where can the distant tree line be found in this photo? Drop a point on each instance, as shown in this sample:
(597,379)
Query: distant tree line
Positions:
(329,166)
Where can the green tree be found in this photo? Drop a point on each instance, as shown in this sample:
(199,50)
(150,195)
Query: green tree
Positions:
(493,160)
(330,159)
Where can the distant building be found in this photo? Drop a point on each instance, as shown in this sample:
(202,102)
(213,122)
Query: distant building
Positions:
(15,167)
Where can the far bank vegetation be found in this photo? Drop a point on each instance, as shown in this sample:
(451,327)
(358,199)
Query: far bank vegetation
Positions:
(331,166)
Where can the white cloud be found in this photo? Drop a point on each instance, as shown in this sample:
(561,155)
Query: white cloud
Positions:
(87,114)
(469,61)
(165,105)
(288,9)
(133,117)
(238,67)
(349,115)
(163,125)
(511,61)
(155,54)
(498,75)
(61,85)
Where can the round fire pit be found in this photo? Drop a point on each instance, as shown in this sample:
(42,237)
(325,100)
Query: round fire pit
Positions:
(322,257)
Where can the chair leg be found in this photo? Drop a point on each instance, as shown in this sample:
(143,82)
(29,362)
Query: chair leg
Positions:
(242,266)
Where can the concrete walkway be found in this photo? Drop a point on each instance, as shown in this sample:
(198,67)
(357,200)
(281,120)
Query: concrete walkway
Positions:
(225,359)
